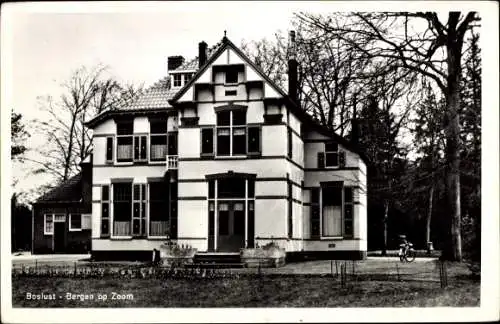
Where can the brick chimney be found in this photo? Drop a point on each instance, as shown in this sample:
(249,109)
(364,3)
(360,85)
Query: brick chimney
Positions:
(174,62)
(202,53)
(292,68)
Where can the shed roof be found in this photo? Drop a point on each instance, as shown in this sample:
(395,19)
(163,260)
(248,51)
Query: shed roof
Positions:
(68,191)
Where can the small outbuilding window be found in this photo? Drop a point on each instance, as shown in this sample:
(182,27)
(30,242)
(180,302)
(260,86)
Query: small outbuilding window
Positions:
(75,222)
(48,227)
(232,77)
(177,80)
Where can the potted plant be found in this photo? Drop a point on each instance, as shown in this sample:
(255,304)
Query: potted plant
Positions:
(269,255)
(172,253)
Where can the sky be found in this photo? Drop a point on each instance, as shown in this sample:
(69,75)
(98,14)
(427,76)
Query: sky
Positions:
(42,44)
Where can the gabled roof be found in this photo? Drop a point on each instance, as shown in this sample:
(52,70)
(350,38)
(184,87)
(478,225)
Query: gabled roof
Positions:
(68,191)
(298,111)
(219,49)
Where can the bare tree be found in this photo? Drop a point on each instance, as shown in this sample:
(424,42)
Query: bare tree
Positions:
(86,93)
(422,43)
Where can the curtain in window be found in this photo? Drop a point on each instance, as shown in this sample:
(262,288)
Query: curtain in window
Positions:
(332,221)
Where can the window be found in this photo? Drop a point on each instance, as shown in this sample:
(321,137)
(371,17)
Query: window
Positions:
(330,157)
(332,211)
(177,80)
(290,143)
(122,208)
(231,133)
(105,211)
(230,92)
(124,138)
(75,222)
(109,149)
(140,145)
(331,154)
(187,77)
(158,138)
(232,77)
(158,209)
(207,141)
(139,211)
(48,226)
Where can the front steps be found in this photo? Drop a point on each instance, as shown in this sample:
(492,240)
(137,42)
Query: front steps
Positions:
(219,260)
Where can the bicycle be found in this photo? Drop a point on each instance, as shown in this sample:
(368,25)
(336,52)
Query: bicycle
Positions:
(406,252)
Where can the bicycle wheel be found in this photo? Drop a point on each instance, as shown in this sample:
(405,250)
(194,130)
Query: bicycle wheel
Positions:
(410,256)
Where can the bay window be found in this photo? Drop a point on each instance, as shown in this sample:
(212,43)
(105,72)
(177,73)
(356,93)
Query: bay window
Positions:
(332,211)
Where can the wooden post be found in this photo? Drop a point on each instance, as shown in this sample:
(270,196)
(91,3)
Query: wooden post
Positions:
(336,268)
(36,266)
(331,267)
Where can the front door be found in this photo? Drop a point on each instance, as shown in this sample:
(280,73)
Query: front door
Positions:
(59,230)
(231,226)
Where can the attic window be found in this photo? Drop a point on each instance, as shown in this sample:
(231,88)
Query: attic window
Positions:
(232,76)
(230,93)
(177,80)
(187,77)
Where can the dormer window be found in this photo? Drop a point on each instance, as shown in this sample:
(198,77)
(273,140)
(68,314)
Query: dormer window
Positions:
(187,77)
(177,80)
(231,77)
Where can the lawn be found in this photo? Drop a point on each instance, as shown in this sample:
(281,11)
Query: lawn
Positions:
(267,291)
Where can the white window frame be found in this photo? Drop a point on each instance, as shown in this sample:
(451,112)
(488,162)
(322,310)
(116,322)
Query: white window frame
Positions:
(342,215)
(45,224)
(231,128)
(338,157)
(72,229)
(174,76)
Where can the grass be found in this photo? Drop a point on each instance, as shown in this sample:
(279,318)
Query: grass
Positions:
(269,291)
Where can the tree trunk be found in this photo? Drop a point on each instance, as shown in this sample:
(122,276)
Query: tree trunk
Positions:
(453,247)
(386,220)
(429,217)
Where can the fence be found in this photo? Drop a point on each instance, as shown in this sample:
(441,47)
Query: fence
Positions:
(346,273)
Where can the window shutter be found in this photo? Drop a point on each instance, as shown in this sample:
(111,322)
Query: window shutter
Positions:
(342,159)
(207,141)
(321,160)
(315,213)
(348,212)
(109,149)
(253,145)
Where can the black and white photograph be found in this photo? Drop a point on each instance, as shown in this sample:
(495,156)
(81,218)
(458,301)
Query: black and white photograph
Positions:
(249,161)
